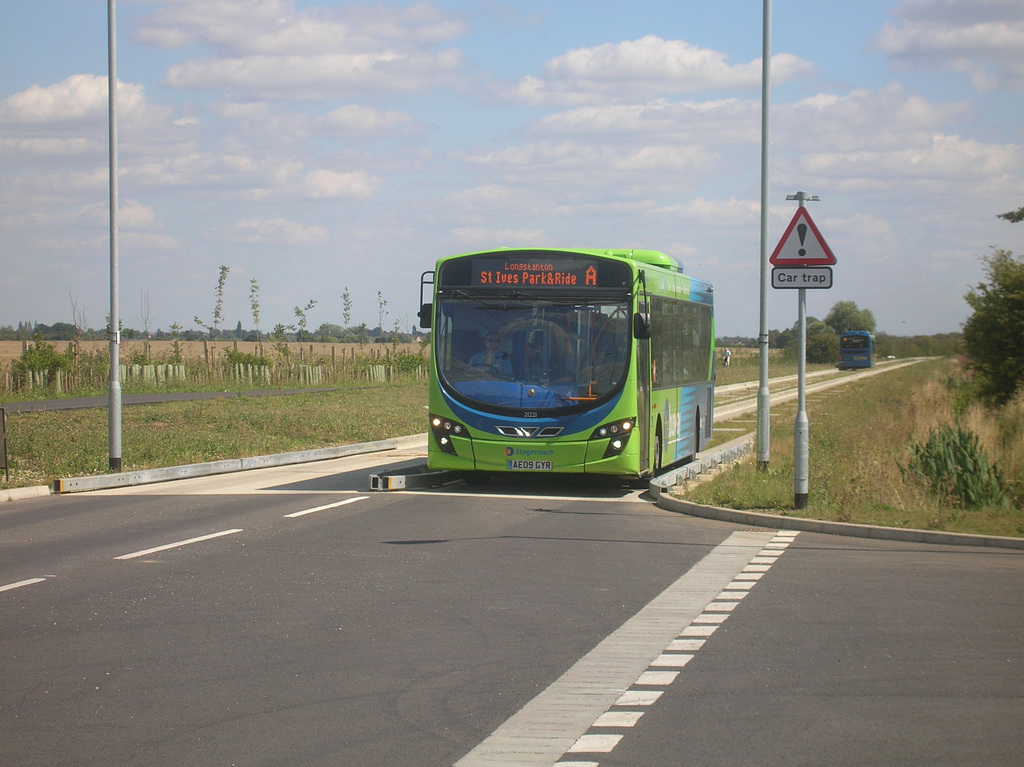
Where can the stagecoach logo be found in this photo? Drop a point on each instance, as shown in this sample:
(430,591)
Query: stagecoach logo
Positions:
(511,451)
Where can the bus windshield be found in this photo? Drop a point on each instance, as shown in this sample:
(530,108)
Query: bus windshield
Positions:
(549,357)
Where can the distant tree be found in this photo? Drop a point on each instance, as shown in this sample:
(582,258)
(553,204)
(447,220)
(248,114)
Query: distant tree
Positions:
(822,343)
(993,334)
(1014,216)
(845,316)
(300,313)
(78,320)
(144,311)
(218,306)
(254,303)
(381,313)
(346,307)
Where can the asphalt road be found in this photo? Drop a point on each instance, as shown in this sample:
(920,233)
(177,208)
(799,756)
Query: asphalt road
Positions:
(288,617)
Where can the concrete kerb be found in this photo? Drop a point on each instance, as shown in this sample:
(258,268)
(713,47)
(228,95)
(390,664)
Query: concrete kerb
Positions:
(150,476)
(21,493)
(731,452)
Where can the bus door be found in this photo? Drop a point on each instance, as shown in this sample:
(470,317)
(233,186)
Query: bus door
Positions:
(643,392)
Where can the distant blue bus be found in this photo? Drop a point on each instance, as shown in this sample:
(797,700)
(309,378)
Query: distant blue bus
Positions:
(856,350)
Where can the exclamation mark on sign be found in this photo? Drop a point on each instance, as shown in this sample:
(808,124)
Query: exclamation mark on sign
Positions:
(801,232)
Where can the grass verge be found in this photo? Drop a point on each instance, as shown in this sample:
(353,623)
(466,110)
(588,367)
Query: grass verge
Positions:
(45,446)
(860,440)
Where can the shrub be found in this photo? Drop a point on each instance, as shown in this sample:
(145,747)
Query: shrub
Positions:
(42,357)
(956,469)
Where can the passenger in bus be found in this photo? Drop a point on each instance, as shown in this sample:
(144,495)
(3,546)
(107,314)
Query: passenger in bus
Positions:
(492,359)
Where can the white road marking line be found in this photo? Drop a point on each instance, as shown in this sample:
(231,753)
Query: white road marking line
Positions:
(555,722)
(618,719)
(19,584)
(672,659)
(741,586)
(721,607)
(656,678)
(735,594)
(698,631)
(323,508)
(594,744)
(155,549)
(639,698)
(685,645)
(711,618)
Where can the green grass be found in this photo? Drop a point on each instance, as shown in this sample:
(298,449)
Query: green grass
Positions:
(860,437)
(45,446)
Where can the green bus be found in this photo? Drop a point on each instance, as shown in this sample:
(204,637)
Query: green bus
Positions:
(567,361)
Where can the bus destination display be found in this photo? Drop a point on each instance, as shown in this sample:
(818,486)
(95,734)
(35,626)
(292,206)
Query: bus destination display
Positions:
(535,273)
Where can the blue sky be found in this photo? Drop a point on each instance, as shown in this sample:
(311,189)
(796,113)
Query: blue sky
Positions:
(318,146)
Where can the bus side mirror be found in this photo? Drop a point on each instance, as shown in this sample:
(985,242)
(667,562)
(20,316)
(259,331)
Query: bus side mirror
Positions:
(641,326)
(425,312)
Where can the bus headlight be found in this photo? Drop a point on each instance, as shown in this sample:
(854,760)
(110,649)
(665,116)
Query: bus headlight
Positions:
(443,430)
(617,433)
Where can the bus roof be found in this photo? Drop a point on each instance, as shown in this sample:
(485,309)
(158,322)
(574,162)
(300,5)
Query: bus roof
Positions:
(643,256)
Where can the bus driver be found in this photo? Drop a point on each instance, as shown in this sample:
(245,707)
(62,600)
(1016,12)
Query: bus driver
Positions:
(492,359)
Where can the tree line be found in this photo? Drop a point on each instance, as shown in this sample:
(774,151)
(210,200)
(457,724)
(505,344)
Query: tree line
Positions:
(212,329)
(823,337)
(324,333)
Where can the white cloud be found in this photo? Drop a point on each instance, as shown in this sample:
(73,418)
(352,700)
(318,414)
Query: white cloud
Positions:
(358,120)
(943,158)
(470,238)
(983,39)
(274,51)
(728,121)
(275,27)
(317,77)
(274,231)
(78,98)
(888,118)
(324,184)
(640,69)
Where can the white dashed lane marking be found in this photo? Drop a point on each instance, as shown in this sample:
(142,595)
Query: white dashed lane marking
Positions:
(19,584)
(178,544)
(304,512)
(647,651)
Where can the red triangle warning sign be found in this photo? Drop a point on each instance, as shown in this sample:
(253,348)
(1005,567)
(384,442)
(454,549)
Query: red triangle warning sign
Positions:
(802,244)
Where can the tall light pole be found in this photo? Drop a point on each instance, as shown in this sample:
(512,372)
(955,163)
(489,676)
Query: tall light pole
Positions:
(763,395)
(114,397)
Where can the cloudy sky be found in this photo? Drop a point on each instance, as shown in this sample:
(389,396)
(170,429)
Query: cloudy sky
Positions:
(316,146)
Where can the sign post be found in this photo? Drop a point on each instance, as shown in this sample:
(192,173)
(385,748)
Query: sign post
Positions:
(802,260)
